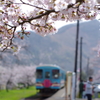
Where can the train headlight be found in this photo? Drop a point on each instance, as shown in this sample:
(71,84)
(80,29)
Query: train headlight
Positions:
(39,84)
(56,84)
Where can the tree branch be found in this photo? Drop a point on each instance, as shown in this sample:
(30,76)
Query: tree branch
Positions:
(37,17)
(81,1)
(33,5)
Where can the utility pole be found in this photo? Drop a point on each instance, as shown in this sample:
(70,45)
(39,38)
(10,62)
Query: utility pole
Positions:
(88,68)
(81,59)
(76,55)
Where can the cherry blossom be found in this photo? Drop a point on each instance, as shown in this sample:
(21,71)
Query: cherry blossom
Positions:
(40,15)
(11,77)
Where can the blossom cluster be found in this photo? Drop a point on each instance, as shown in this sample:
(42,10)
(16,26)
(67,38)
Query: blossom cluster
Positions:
(11,77)
(40,15)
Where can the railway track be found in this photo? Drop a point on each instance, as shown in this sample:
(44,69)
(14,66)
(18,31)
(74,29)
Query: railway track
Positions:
(38,96)
(41,96)
(34,98)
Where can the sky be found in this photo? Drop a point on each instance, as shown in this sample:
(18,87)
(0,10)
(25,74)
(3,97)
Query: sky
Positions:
(59,24)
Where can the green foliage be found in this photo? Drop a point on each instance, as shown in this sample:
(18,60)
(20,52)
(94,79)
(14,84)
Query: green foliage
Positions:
(99,95)
(84,77)
(17,94)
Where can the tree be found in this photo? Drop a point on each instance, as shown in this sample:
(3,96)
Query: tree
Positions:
(40,17)
(26,76)
(10,78)
(87,73)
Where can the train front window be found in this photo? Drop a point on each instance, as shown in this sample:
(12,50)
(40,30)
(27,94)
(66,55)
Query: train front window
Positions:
(55,74)
(39,73)
(47,75)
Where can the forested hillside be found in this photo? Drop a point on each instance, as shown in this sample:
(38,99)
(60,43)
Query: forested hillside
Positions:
(55,49)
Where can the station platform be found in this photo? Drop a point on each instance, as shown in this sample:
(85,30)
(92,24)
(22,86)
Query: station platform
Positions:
(60,95)
(86,99)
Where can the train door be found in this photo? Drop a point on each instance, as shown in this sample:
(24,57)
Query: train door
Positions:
(47,78)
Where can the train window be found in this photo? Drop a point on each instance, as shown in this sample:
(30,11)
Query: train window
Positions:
(39,73)
(55,74)
(47,75)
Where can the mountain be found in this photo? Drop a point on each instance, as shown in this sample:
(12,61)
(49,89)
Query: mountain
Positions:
(56,49)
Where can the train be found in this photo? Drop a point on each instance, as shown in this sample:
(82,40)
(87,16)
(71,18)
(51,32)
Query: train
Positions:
(50,78)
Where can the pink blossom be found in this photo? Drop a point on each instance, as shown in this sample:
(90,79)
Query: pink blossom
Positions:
(41,15)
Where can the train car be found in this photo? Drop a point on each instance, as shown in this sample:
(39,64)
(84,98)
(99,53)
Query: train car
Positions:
(50,77)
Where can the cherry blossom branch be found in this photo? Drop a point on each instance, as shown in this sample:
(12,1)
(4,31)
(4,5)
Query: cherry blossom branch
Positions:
(32,5)
(41,17)
(81,1)
(37,17)
(10,41)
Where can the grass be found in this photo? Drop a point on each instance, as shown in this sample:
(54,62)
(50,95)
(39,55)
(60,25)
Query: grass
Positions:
(98,95)
(17,94)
